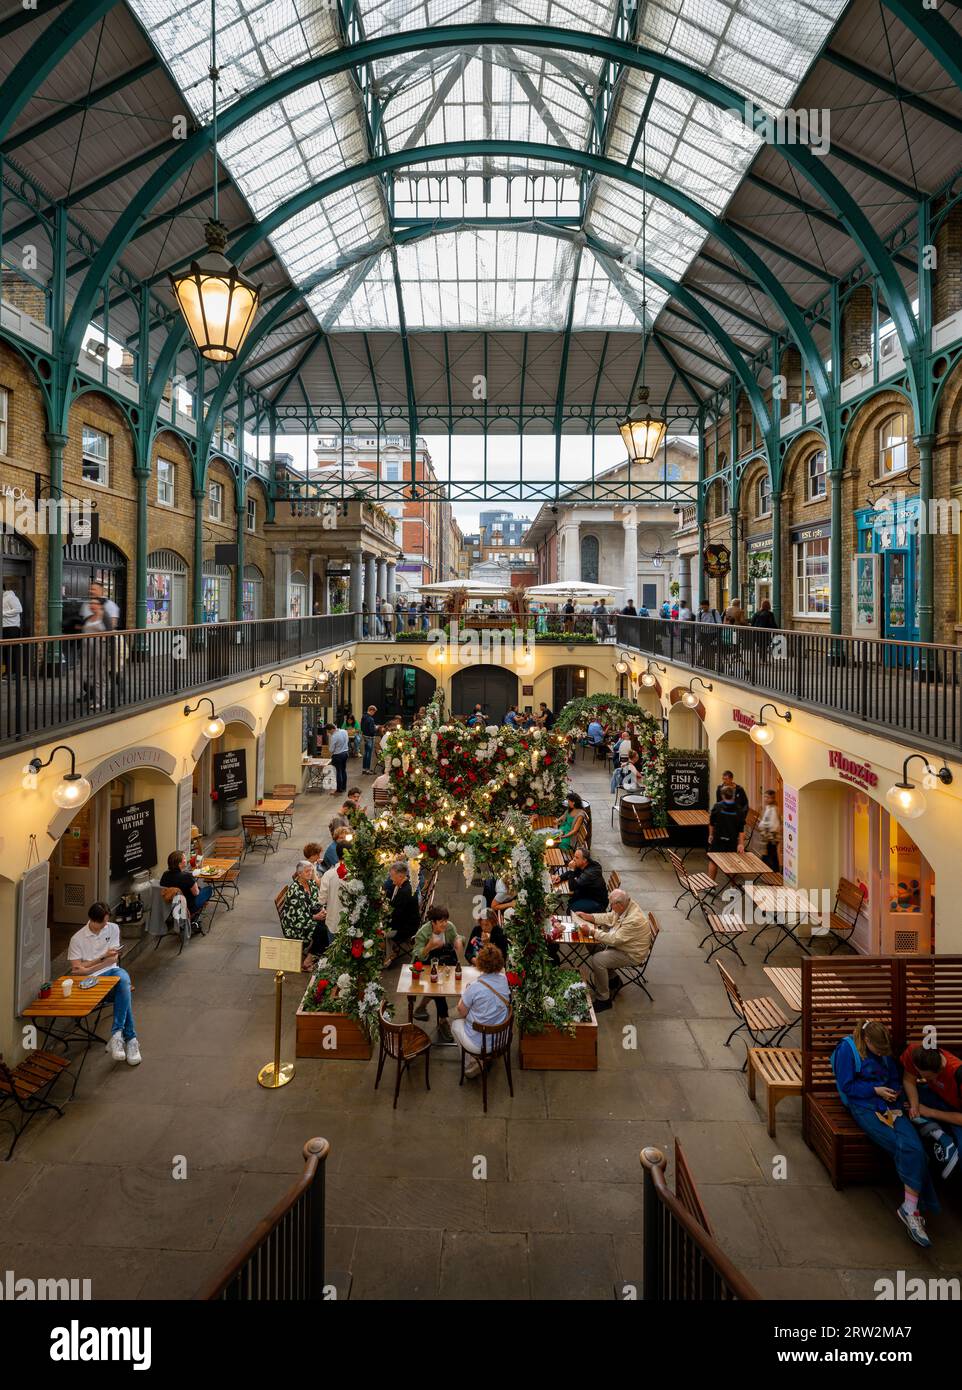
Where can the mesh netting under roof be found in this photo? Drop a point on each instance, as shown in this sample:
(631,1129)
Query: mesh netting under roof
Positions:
(390,16)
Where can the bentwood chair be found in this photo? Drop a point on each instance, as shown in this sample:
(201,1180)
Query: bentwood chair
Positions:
(405,1042)
(495,1042)
(259,834)
(849,901)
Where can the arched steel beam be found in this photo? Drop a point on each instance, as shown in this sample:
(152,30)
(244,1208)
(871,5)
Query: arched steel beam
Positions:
(665,65)
(936,33)
(39,61)
(269,321)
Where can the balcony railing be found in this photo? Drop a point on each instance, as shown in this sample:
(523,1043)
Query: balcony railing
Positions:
(904,690)
(52,683)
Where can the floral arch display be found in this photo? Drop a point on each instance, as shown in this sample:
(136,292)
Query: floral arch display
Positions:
(460,796)
(645,731)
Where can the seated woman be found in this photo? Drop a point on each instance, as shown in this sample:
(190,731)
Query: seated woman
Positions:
(485,932)
(625,774)
(487,1000)
(565,834)
(302,915)
(438,940)
(868,1080)
(338,826)
(504,893)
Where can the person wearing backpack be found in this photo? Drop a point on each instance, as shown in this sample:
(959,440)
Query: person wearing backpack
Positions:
(933,1088)
(870,1085)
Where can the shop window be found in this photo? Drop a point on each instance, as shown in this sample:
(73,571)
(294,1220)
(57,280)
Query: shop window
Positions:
(4,418)
(96,457)
(392,471)
(253,595)
(893,447)
(590,559)
(816,476)
(297,596)
(166,473)
(215,501)
(166,589)
(252,514)
(763,496)
(215,593)
(812,579)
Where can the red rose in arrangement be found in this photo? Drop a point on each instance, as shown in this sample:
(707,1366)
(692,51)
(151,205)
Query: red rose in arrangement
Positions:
(548,760)
(357,948)
(422,847)
(513,978)
(417,967)
(320,989)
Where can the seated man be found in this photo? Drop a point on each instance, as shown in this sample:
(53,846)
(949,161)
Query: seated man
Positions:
(627,941)
(933,1086)
(95,950)
(596,734)
(177,875)
(586,883)
(404,919)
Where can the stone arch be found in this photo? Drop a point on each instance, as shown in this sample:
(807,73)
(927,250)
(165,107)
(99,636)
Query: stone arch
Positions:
(117,765)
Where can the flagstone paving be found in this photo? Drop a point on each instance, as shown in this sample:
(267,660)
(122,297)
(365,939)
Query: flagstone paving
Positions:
(541,1198)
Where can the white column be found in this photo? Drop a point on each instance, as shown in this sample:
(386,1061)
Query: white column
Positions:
(391,579)
(357,582)
(571,531)
(282,583)
(630,524)
(370,562)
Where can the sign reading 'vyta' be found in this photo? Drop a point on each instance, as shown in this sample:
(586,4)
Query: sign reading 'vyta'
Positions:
(230,774)
(687,782)
(133,839)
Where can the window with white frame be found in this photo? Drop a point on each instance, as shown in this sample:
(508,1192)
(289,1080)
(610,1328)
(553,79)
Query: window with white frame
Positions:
(166,473)
(816,476)
(763,496)
(392,471)
(252,513)
(215,501)
(96,457)
(725,496)
(4,418)
(893,445)
(297,596)
(812,591)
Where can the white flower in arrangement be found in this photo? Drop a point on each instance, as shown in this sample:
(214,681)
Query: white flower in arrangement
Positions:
(452,847)
(354,885)
(443,853)
(410,851)
(548,1002)
(491,730)
(434,745)
(395,762)
(538,733)
(574,988)
(344,983)
(508,913)
(467,864)
(368,942)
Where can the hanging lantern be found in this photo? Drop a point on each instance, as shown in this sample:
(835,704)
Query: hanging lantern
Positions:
(218,303)
(641,431)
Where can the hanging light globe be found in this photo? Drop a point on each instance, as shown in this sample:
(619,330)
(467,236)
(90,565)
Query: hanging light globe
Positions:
(648,680)
(762,734)
(214,727)
(218,302)
(281,697)
(905,801)
(641,431)
(72,791)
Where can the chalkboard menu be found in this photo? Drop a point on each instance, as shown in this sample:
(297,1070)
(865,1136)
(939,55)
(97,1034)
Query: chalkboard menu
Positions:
(687,782)
(133,839)
(230,774)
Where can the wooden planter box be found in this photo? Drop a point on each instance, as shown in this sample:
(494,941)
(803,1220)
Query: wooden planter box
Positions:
(353,1044)
(556,1051)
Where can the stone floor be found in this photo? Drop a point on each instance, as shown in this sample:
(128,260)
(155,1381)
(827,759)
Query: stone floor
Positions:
(559,1212)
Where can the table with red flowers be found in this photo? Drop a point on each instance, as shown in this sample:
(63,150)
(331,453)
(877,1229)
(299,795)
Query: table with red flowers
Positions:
(445,987)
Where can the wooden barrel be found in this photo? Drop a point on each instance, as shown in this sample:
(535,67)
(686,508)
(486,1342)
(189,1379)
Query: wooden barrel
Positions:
(636,816)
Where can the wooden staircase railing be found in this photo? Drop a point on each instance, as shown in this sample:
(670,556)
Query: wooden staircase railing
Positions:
(284,1257)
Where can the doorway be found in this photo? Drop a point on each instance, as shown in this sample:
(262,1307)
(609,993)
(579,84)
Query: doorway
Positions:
(96,562)
(569,683)
(16,573)
(397,690)
(492,687)
(884,860)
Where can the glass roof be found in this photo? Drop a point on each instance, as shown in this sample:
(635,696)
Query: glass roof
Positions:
(477,277)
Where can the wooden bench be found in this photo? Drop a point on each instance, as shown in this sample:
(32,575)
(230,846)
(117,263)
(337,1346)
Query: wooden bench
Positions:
(906,993)
(781,1070)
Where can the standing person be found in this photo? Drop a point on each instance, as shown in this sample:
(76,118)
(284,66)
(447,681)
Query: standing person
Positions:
(868,1081)
(735,614)
(665,611)
(569,614)
(629,610)
(770,832)
(365,620)
(111,613)
(685,615)
(95,950)
(726,829)
(12,619)
(764,617)
(404,921)
(350,726)
(95,654)
(741,796)
(368,734)
(932,1079)
(707,614)
(487,1000)
(387,618)
(337,742)
(626,936)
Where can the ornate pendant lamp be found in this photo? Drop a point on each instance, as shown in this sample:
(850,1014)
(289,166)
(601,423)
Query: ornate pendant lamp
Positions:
(642,431)
(218,302)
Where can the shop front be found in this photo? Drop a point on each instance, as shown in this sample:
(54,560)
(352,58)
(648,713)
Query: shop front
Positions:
(885,571)
(166,589)
(95,562)
(17,574)
(811,570)
(758,579)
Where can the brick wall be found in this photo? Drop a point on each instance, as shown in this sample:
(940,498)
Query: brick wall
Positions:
(947,277)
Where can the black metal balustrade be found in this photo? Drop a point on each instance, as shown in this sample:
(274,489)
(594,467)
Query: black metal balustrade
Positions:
(283,1259)
(909,690)
(53,683)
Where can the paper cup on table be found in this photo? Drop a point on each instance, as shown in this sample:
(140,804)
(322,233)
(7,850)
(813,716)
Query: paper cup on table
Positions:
(67,987)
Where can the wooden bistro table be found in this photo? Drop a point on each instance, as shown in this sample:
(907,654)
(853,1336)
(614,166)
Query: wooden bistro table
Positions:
(788,907)
(696,823)
(447,986)
(81,1010)
(578,945)
(280,812)
(739,866)
(554,858)
(312,779)
(689,818)
(214,872)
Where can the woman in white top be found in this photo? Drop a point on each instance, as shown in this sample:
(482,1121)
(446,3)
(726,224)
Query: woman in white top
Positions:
(770,831)
(329,892)
(487,1000)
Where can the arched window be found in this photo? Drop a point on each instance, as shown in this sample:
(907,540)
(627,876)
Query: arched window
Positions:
(816,476)
(893,444)
(253,597)
(763,496)
(166,589)
(297,596)
(590,559)
(216,592)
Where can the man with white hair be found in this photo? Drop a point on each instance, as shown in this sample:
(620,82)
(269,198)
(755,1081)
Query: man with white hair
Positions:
(626,937)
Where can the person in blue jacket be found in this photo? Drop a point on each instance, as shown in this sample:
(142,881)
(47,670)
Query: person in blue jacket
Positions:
(870,1084)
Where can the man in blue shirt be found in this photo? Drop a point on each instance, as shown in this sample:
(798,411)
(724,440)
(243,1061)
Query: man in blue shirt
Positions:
(369,734)
(338,744)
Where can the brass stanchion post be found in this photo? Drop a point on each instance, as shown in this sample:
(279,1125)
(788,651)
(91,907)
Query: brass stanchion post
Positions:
(276,1073)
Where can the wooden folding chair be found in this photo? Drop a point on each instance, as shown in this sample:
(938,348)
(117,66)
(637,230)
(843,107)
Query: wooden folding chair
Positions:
(724,929)
(382,796)
(761,1018)
(751,820)
(258,832)
(697,885)
(613,881)
(405,1042)
(26,1088)
(844,918)
(495,1043)
(635,974)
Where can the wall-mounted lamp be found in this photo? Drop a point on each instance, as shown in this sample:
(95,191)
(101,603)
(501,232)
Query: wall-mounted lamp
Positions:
(323,676)
(904,797)
(763,733)
(214,726)
(350,664)
(72,790)
(690,697)
(280,696)
(648,678)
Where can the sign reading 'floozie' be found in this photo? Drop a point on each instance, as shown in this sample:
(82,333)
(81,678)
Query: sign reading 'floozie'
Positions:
(850,770)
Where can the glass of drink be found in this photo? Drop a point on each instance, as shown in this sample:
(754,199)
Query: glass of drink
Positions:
(67,987)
